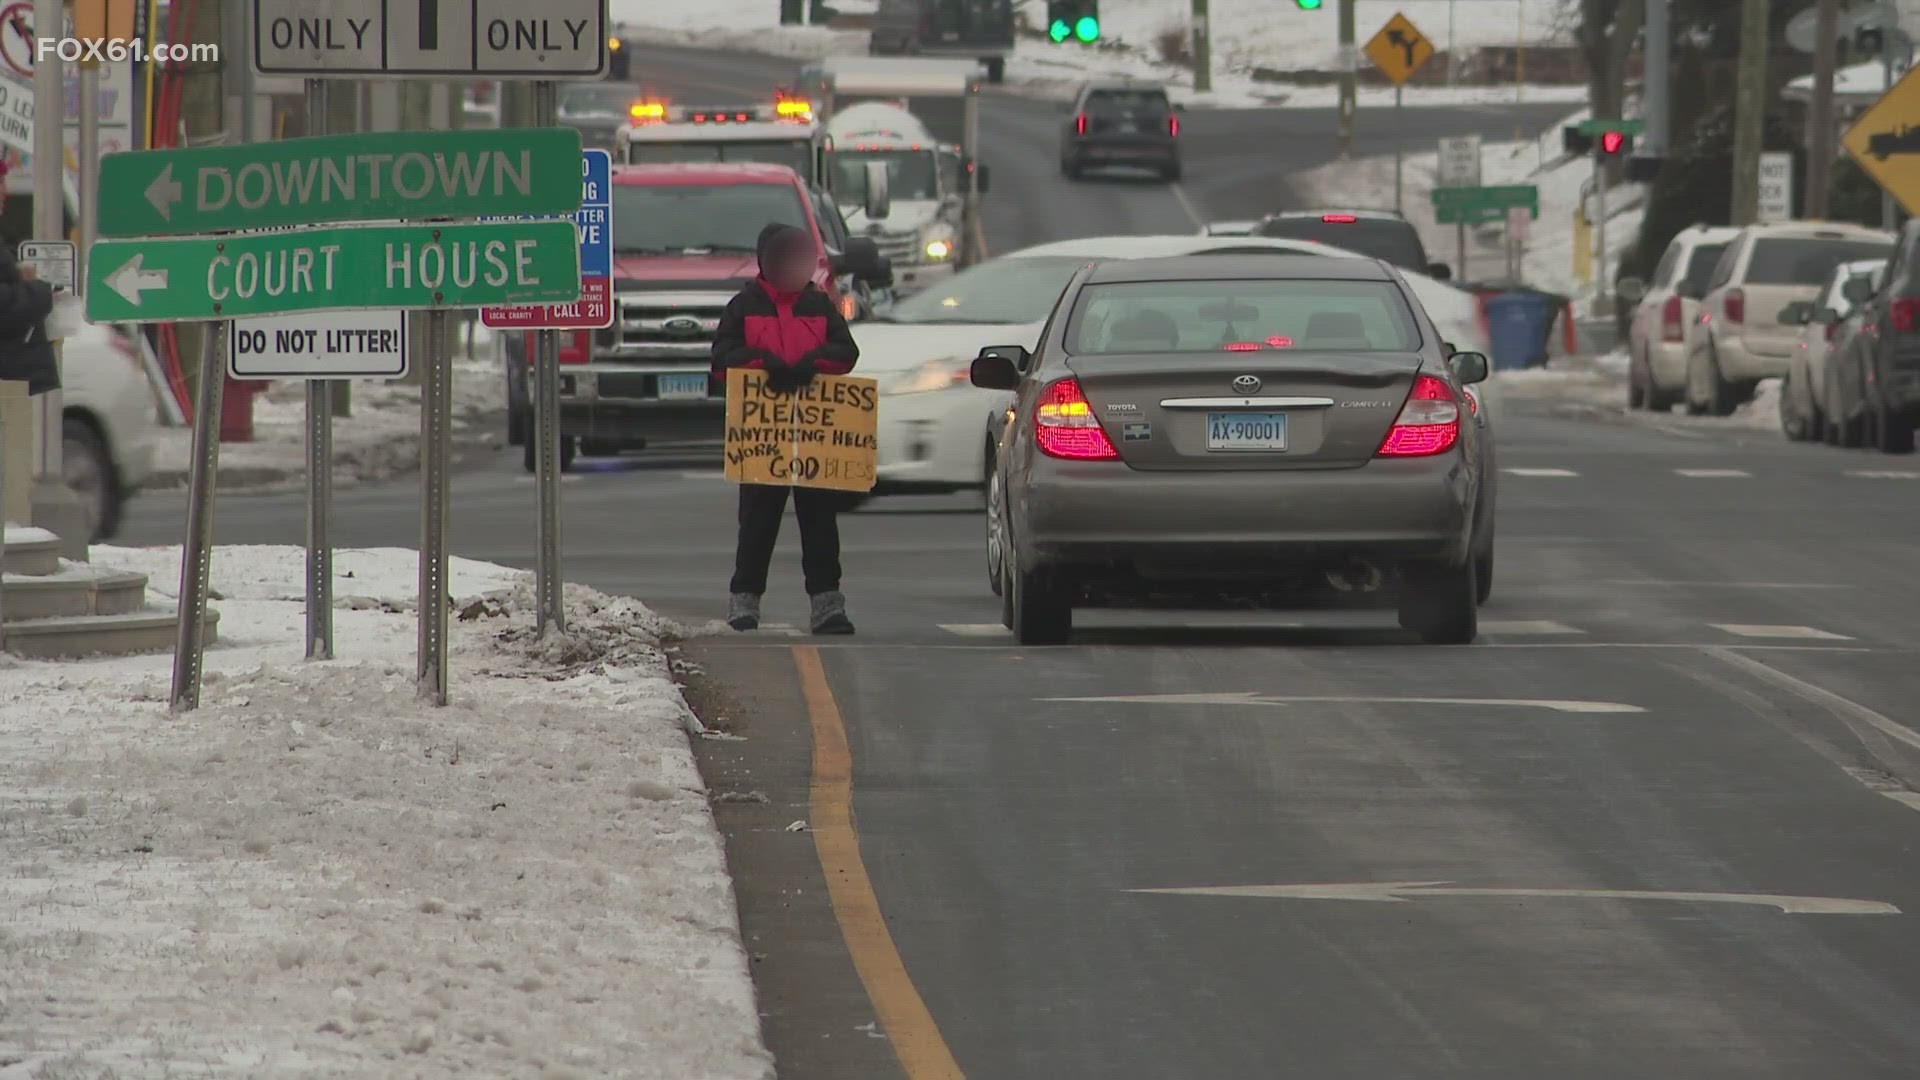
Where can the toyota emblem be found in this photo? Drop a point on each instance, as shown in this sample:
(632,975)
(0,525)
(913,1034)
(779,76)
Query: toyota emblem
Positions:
(1246,384)
(681,325)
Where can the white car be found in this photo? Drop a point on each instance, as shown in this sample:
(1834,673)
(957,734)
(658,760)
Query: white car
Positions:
(111,421)
(1230,228)
(931,430)
(1803,397)
(1657,337)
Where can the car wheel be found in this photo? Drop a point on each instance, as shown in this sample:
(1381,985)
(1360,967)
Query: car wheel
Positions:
(1042,611)
(1717,397)
(528,449)
(1440,603)
(1071,170)
(519,424)
(997,70)
(1637,378)
(88,470)
(1483,575)
(1695,393)
(1893,432)
(1793,422)
(1848,434)
(996,544)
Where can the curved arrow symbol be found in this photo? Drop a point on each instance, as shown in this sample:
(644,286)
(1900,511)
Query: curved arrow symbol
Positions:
(164,192)
(130,280)
(1391,892)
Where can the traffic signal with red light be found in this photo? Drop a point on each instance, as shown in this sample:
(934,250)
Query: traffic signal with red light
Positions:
(1614,143)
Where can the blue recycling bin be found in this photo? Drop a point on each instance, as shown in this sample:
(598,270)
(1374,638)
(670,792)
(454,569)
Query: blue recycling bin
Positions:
(1519,325)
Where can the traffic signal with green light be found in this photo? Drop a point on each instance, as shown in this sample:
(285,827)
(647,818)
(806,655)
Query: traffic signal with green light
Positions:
(1309,5)
(1078,20)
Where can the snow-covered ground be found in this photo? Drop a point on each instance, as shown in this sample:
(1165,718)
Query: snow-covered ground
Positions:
(380,440)
(1596,386)
(316,875)
(1535,157)
(1248,35)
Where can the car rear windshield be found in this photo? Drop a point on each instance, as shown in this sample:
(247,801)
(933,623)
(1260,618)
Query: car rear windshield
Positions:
(1129,100)
(795,154)
(1381,238)
(669,219)
(1700,265)
(1242,316)
(1808,261)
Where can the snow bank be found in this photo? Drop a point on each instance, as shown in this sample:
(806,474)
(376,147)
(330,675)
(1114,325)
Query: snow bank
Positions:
(1537,159)
(1248,35)
(315,875)
(380,440)
(1763,412)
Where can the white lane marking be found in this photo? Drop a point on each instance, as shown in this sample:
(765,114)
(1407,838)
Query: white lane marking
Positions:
(1713,474)
(1806,633)
(1391,892)
(976,629)
(1883,474)
(1525,626)
(1827,699)
(1540,472)
(1726,584)
(1252,698)
(1186,205)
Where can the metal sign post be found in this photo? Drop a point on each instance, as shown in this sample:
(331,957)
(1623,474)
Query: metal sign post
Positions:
(319,463)
(1399,156)
(546,431)
(196,564)
(436,422)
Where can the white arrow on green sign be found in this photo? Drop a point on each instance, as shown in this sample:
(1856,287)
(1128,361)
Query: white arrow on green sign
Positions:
(386,176)
(206,278)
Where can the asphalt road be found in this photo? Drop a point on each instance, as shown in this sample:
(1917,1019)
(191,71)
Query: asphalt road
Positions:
(1696,679)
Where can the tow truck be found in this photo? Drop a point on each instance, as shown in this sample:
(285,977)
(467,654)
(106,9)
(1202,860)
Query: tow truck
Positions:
(787,132)
(921,208)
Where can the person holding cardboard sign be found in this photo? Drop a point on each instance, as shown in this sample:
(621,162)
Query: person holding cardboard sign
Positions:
(785,324)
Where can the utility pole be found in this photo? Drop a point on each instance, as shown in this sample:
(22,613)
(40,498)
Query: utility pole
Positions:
(1749,113)
(1658,105)
(1202,49)
(1820,114)
(54,506)
(1349,77)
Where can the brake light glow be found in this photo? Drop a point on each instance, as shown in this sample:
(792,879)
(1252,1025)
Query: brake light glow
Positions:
(1242,346)
(1340,219)
(1670,315)
(1066,427)
(1278,342)
(1173,126)
(1735,306)
(1905,313)
(1428,424)
(1080,124)
(648,110)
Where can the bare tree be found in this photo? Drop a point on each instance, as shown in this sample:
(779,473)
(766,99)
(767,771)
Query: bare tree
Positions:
(1608,31)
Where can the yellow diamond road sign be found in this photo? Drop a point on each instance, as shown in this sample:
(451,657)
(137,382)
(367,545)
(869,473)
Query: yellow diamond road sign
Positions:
(1399,49)
(1886,141)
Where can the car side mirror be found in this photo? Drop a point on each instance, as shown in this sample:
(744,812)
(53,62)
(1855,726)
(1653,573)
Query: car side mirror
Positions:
(879,200)
(1858,290)
(1470,367)
(1179,106)
(1798,313)
(1440,271)
(998,367)
(1631,289)
(864,261)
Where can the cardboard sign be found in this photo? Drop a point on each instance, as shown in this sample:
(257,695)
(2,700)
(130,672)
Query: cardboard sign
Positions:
(826,435)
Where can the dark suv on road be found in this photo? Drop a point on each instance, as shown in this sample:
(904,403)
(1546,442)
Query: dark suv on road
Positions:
(1122,124)
(1873,390)
(1382,234)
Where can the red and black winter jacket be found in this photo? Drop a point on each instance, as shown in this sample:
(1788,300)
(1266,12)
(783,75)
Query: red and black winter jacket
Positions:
(765,328)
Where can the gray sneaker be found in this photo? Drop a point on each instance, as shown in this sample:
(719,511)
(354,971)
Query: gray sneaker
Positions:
(830,614)
(743,611)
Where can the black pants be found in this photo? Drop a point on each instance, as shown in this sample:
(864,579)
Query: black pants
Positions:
(761,508)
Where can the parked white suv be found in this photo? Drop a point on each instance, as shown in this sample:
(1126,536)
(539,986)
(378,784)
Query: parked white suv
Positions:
(1657,336)
(1738,338)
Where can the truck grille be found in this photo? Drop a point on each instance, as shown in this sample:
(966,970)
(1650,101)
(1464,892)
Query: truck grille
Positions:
(662,326)
(899,248)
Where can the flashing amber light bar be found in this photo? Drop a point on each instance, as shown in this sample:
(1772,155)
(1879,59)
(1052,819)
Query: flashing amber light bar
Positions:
(648,110)
(795,108)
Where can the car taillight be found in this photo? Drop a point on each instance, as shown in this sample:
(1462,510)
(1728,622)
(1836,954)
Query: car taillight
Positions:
(1429,423)
(1905,314)
(1735,306)
(1670,316)
(1065,426)
(577,347)
(1173,126)
(1080,124)
(1339,219)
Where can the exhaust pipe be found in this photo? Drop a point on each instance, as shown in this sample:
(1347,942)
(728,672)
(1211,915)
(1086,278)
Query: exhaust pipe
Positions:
(1360,578)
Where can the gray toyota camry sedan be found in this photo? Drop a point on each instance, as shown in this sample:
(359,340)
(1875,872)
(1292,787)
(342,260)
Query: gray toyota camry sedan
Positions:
(1215,429)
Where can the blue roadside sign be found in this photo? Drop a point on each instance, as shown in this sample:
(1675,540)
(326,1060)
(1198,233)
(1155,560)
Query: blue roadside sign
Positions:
(594,221)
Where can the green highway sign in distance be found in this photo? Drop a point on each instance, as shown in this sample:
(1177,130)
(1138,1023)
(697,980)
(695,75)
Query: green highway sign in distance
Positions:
(387,176)
(204,278)
(1601,127)
(1468,200)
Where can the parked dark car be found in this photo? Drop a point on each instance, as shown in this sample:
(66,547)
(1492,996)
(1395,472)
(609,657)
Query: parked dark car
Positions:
(1873,392)
(981,29)
(1382,234)
(1123,124)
